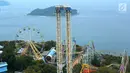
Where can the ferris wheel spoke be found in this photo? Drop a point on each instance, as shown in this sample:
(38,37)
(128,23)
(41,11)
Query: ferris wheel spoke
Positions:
(28,34)
(20,38)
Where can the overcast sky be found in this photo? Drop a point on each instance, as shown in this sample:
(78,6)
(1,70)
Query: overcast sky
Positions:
(74,3)
(70,2)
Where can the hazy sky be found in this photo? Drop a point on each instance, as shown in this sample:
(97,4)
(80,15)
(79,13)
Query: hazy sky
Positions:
(75,3)
(80,2)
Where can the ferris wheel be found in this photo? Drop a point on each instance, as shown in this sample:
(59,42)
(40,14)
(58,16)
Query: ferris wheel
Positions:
(26,35)
(29,34)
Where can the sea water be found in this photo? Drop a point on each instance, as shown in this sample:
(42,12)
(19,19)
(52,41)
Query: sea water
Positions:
(107,27)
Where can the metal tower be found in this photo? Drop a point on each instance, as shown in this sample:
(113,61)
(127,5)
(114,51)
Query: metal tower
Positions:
(124,62)
(68,40)
(89,53)
(58,40)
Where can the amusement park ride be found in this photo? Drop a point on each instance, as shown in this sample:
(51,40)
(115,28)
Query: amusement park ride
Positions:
(30,43)
(124,62)
(86,69)
(27,44)
(67,11)
(86,56)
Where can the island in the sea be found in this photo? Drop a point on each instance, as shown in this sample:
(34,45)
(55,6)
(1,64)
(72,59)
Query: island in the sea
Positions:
(4,3)
(50,11)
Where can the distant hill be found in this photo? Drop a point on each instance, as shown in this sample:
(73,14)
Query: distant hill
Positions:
(4,3)
(50,11)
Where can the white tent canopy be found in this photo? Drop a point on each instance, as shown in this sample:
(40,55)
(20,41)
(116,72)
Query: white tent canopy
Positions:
(21,50)
(1,47)
(1,52)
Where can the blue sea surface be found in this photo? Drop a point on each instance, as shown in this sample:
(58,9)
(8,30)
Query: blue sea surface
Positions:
(107,27)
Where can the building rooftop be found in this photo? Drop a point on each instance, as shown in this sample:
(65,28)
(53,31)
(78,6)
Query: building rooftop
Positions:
(21,50)
(3,67)
(3,64)
(1,47)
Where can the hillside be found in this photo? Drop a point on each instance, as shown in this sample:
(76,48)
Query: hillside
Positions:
(50,11)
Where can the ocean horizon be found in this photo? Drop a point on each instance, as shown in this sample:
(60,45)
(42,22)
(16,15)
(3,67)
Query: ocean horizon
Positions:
(108,28)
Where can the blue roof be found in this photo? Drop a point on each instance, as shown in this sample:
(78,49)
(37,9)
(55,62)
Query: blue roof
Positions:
(3,67)
(3,64)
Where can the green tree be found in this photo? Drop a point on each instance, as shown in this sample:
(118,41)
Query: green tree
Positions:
(40,67)
(14,62)
(64,69)
(22,62)
(78,48)
(8,54)
(77,68)
(109,59)
(96,61)
(105,70)
(49,44)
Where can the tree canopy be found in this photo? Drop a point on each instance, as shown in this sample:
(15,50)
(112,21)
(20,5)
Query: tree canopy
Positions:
(41,68)
(49,44)
(77,68)
(29,65)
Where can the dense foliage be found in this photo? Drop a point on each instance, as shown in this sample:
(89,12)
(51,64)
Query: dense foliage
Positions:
(40,67)
(78,48)
(28,65)
(20,63)
(8,54)
(49,44)
(106,70)
(109,59)
(96,61)
(77,68)
(104,63)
